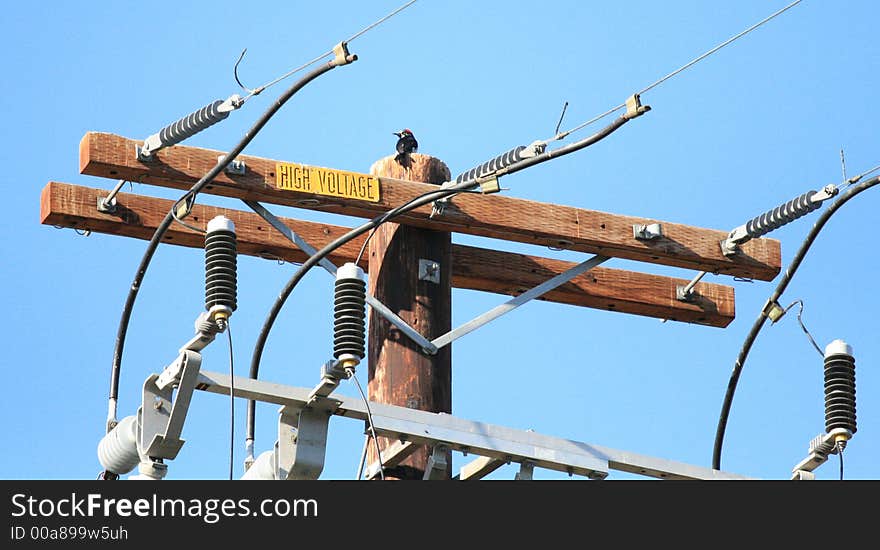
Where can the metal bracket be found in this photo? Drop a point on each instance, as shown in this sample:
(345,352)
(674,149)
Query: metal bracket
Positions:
(647,232)
(107,204)
(143,153)
(437,465)
(235,166)
(342,55)
(429,270)
(634,107)
(820,447)
(772,310)
(162,418)
(302,439)
(685,293)
(331,374)
(526,471)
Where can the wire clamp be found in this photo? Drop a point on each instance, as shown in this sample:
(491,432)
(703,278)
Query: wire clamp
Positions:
(773,311)
(439,205)
(634,107)
(647,232)
(343,57)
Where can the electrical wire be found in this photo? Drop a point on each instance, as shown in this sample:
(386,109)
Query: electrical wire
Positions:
(231,400)
(181,222)
(762,317)
(801,322)
(364,246)
(160,231)
(684,67)
(369,422)
(412,204)
(840,447)
(261,89)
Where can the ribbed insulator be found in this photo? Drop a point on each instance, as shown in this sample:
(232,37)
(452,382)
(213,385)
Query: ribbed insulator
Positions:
(220,265)
(781,215)
(192,123)
(840,387)
(349,313)
(117,451)
(497,163)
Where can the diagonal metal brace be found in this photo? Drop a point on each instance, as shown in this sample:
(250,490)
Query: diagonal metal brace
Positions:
(378,306)
(514,303)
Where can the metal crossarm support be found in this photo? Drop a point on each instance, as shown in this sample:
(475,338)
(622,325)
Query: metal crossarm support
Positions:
(478,438)
(302,439)
(514,303)
(161,418)
(378,306)
(437,464)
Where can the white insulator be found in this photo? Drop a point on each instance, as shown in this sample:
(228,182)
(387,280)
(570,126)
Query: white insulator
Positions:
(117,451)
(263,467)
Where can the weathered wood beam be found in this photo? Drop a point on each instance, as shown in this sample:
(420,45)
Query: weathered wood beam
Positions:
(508,273)
(495,216)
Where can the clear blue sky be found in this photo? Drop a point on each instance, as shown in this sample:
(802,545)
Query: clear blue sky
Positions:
(758,123)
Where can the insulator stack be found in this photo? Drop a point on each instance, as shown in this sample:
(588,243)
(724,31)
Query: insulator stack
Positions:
(189,125)
(781,215)
(497,163)
(220,268)
(349,314)
(192,124)
(117,451)
(840,387)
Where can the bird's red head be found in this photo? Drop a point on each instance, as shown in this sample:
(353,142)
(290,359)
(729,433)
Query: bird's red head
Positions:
(404,132)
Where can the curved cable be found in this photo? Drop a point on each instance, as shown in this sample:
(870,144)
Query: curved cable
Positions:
(414,203)
(166,222)
(762,317)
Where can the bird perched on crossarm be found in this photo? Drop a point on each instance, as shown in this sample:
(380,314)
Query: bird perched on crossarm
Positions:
(406,144)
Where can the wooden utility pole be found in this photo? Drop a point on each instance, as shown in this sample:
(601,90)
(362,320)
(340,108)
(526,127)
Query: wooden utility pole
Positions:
(411,273)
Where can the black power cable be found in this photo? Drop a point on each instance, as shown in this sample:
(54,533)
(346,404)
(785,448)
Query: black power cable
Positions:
(190,196)
(762,317)
(421,200)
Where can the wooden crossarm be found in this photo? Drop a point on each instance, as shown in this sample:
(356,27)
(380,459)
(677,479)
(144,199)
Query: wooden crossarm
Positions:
(473,268)
(495,215)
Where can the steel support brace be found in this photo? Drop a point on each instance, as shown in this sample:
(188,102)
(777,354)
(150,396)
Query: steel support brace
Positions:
(467,436)
(514,303)
(378,306)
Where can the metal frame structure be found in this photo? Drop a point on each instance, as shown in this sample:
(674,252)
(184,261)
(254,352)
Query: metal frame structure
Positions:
(303,424)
